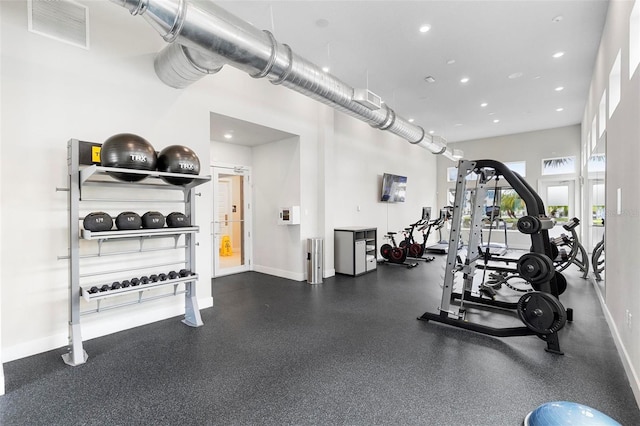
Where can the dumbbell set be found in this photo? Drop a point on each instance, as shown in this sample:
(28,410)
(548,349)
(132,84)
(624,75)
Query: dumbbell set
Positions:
(101,221)
(135,282)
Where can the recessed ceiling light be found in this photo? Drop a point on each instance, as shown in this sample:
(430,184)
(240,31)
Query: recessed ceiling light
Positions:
(559,88)
(431,132)
(228,136)
(425,28)
(484,104)
(557,18)
(457,125)
(537,77)
(515,75)
(451,61)
(429,79)
(558,55)
(492,113)
(496,121)
(325,69)
(464,80)
(559,109)
(411,120)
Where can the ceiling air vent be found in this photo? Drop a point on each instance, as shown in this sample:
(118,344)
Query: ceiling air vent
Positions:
(62,20)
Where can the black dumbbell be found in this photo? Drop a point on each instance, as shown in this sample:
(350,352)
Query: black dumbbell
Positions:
(144,280)
(173,275)
(126,283)
(162,277)
(184,273)
(94,289)
(105,287)
(135,281)
(153,278)
(116,285)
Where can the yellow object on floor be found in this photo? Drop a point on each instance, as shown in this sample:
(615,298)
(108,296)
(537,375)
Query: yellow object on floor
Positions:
(225,246)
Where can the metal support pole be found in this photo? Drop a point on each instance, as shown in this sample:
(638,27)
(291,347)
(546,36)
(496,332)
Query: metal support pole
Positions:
(76,355)
(191,310)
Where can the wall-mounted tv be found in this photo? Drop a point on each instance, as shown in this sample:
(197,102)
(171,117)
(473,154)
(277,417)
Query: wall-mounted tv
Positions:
(394,188)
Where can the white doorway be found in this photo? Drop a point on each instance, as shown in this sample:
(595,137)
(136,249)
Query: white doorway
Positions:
(231,220)
(559,198)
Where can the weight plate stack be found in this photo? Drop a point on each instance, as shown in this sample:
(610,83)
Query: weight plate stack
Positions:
(541,312)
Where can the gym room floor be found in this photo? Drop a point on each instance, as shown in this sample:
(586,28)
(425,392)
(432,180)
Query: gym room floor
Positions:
(348,351)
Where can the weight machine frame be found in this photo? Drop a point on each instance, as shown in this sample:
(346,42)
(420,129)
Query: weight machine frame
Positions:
(488,170)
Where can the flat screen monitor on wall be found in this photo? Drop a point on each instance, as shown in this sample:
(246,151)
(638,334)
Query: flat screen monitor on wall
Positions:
(394,188)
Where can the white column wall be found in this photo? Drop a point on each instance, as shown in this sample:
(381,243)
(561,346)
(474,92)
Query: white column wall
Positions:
(622,295)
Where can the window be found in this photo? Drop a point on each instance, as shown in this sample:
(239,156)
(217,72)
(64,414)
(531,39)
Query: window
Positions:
(452,175)
(602,123)
(634,39)
(511,206)
(520,167)
(597,163)
(614,84)
(558,166)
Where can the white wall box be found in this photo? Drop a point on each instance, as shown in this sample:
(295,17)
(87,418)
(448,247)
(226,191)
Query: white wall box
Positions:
(100,258)
(289,215)
(355,250)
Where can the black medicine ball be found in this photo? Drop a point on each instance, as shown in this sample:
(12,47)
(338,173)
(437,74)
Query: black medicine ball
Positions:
(152,220)
(177,220)
(178,159)
(128,151)
(97,222)
(128,220)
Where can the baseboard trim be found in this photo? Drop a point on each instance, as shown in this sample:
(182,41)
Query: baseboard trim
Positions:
(632,375)
(98,329)
(296,276)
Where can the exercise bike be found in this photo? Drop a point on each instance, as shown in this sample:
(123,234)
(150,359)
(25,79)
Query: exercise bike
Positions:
(417,250)
(394,255)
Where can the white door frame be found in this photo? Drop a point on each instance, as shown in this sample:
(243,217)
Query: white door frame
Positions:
(574,195)
(218,169)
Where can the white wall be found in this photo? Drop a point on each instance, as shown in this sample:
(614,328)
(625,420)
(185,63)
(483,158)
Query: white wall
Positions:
(230,154)
(1,198)
(52,92)
(623,155)
(276,183)
(361,155)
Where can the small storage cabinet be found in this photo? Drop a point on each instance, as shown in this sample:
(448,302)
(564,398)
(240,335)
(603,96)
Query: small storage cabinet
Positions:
(97,258)
(355,250)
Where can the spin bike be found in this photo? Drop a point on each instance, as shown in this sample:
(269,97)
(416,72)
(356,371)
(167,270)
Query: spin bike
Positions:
(416,250)
(394,255)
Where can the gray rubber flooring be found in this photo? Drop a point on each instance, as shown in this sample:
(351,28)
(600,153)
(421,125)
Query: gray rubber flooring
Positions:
(346,352)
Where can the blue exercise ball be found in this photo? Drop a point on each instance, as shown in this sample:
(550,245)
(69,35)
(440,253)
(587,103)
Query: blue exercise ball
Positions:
(564,413)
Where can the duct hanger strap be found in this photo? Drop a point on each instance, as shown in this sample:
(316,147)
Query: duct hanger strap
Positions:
(272,58)
(287,71)
(389,119)
(174,31)
(422,134)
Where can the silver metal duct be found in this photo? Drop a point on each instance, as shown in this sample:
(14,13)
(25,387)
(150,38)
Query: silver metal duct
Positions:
(204,37)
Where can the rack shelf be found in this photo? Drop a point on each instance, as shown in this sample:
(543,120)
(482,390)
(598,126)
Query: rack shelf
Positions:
(94,170)
(136,233)
(90,297)
(82,172)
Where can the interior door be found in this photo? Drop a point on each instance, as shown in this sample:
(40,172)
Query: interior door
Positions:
(232,225)
(558,197)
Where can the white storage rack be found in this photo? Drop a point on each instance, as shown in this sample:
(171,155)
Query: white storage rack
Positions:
(81,176)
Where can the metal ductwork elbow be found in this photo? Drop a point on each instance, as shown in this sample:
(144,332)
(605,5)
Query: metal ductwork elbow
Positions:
(204,37)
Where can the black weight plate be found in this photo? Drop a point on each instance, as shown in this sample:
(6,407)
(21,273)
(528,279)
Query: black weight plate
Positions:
(541,312)
(535,267)
(561,283)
